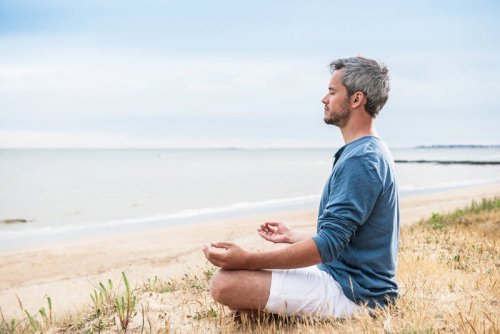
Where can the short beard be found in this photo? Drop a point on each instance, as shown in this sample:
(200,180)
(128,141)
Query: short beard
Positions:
(339,119)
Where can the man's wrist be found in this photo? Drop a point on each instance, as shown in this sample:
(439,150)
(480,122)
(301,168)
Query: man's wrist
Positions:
(251,261)
(296,236)
(293,238)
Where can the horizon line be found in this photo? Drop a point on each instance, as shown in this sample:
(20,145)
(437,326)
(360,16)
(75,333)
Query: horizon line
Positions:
(245,147)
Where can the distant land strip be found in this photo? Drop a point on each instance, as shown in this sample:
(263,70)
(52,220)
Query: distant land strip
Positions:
(457,146)
(448,162)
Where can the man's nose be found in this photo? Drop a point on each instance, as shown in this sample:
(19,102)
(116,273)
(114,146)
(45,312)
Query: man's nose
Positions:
(324,100)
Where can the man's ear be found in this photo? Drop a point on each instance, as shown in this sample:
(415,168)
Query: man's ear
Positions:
(357,100)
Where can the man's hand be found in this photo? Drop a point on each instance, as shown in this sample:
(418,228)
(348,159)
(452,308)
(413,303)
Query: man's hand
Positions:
(276,232)
(279,232)
(227,255)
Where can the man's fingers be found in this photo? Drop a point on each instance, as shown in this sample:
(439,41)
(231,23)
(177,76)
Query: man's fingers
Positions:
(215,262)
(272,226)
(206,249)
(267,229)
(264,228)
(213,255)
(265,235)
(222,244)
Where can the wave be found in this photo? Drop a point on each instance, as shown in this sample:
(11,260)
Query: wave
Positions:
(184,214)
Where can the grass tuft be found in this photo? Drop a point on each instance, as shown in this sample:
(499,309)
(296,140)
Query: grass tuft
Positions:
(439,221)
(125,305)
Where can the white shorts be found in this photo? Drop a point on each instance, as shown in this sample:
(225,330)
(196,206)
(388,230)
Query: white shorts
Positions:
(308,292)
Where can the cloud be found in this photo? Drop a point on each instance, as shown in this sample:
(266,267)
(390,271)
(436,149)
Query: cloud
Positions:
(112,73)
(434,83)
(113,84)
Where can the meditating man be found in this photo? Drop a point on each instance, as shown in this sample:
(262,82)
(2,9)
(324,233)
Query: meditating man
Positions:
(351,260)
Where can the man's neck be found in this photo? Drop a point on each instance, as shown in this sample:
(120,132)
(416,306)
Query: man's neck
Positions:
(350,133)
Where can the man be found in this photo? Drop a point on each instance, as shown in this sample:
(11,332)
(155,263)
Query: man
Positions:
(351,261)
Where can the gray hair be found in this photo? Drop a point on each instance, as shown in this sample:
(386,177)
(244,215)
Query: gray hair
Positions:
(367,76)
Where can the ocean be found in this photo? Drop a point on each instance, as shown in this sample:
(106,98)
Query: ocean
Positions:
(58,195)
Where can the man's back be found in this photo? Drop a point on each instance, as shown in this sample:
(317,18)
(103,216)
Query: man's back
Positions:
(358,222)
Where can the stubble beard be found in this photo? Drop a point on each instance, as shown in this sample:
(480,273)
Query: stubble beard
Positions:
(340,118)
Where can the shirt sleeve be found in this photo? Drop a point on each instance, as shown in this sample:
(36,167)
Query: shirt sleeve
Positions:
(353,192)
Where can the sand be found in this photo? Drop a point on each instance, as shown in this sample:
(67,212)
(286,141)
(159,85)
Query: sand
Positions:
(69,272)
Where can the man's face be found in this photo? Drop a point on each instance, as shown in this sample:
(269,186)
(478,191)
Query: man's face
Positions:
(336,102)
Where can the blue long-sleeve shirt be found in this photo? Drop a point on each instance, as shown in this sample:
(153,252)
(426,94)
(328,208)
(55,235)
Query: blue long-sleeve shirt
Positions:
(358,223)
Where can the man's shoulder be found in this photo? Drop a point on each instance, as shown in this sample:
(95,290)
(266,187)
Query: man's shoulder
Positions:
(369,150)
(373,156)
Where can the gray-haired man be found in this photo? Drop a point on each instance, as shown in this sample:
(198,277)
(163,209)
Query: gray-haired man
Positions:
(351,260)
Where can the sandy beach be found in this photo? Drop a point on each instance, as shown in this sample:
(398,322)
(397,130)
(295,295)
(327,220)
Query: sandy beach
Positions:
(68,272)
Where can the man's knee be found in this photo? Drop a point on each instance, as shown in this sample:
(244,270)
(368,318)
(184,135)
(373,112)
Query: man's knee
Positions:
(221,286)
(241,289)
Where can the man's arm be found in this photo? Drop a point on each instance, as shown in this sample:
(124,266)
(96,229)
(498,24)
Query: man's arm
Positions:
(228,255)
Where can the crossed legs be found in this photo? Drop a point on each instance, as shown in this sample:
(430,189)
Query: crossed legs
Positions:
(305,291)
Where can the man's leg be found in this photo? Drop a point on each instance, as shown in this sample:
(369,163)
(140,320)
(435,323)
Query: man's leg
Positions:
(241,289)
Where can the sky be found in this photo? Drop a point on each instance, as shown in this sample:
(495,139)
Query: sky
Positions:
(154,74)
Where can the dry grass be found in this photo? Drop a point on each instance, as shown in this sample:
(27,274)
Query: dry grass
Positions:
(448,272)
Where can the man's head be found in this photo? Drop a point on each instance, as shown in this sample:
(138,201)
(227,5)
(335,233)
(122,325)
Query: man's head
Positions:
(359,74)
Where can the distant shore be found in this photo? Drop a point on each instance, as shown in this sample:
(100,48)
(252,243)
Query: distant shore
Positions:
(66,272)
(449,162)
(457,146)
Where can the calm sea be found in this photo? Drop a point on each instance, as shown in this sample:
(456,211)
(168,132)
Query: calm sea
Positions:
(68,194)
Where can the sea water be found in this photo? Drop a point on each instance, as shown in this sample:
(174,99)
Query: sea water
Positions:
(64,194)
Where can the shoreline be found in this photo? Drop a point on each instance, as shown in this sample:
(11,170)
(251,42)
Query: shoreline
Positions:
(47,236)
(68,272)
(75,232)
